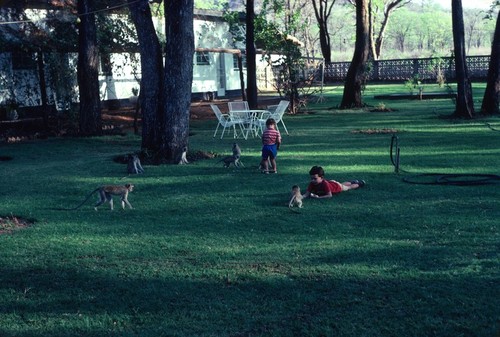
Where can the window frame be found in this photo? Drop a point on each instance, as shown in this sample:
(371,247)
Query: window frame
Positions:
(202,58)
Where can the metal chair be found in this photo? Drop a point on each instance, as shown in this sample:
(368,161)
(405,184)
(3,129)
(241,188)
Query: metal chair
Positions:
(238,105)
(224,120)
(278,114)
(274,113)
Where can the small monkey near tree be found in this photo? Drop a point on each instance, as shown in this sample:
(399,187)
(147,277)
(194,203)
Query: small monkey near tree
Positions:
(134,164)
(105,194)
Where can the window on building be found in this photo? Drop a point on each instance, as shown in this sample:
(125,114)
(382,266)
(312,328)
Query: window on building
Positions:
(202,58)
(23,61)
(243,61)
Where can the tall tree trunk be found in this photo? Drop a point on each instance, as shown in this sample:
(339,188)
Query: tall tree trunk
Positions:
(43,88)
(324,40)
(356,74)
(90,122)
(179,53)
(151,98)
(251,56)
(242,77)
(371,32)
(492,92)
(465,104)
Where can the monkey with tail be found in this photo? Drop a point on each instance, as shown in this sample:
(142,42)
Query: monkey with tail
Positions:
(105,194)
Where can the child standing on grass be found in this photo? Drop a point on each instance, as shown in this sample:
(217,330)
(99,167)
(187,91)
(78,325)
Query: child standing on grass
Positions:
(271,141)
(320,188)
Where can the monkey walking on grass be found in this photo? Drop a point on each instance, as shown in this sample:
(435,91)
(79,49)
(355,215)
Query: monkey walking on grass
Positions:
(234,158)
(105,194)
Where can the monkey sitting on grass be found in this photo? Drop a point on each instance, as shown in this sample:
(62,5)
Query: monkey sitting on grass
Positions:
(295,197)
(134,164)
(105,194)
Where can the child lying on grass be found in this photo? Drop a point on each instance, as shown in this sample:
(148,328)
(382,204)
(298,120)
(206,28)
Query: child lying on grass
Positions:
(320,188)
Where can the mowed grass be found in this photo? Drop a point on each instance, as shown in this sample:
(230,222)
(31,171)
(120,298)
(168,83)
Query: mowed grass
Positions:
(210,251)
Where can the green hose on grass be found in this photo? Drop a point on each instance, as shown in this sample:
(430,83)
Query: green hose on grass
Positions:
(465,179)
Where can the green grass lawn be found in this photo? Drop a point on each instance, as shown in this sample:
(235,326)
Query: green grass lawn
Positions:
(210,251)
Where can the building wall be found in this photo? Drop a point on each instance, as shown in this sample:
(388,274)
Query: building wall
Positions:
(213,72)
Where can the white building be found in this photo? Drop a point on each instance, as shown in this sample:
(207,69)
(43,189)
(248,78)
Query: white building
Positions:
(215,72)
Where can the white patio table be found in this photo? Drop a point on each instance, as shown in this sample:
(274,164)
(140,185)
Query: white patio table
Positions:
(247,120)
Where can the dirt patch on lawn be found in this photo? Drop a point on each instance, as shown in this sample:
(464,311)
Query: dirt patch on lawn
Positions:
(11,223)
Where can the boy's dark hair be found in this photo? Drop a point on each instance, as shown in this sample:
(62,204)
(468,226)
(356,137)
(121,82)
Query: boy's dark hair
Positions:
(270,121)
(317,170)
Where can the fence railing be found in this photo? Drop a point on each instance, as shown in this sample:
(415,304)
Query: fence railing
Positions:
(427,69)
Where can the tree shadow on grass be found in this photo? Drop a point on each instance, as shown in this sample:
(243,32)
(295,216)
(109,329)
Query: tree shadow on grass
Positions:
(238,300)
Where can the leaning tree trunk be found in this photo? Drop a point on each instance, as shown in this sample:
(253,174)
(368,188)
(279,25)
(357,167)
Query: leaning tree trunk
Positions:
(356,74)
(465,104)
(322,11)
(179,52)
(492,92)
(90,122)
(324,40)
(151,99)
(389,8)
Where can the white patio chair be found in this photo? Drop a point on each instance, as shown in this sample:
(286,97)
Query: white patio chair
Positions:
(243,119)
(224,120)
(272,108)
(275,112)
(279,112)
(238,105)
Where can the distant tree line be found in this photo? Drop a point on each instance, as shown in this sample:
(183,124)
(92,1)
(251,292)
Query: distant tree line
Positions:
(397,28)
